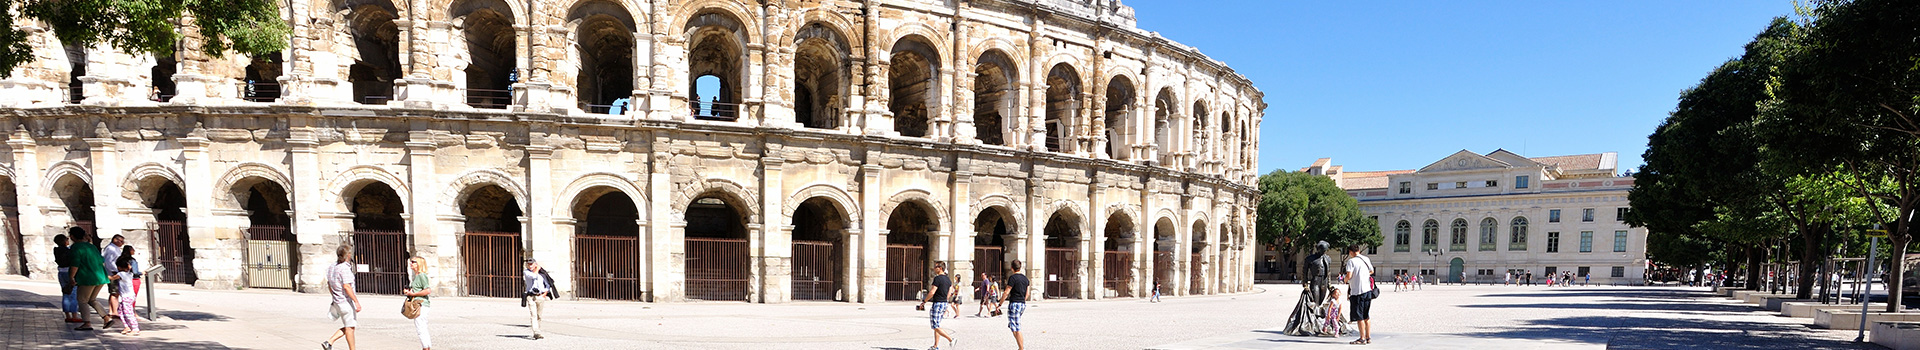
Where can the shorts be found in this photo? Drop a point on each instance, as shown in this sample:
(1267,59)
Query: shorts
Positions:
(1014,311)
(1361,309)
(344,313)
(937,312)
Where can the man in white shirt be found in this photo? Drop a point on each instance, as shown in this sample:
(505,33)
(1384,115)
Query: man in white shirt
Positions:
(1359,277)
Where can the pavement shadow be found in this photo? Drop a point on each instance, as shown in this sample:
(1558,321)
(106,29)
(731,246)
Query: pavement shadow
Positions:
(1621,293)
(1686,334)
(1650,306)
(184,315)
(149,342)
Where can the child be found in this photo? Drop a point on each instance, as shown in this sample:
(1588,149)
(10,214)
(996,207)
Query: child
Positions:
(1156,292)
(134,295)
(123,283)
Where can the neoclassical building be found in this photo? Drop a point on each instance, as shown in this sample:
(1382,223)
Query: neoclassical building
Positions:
(762,151)
(1474,217)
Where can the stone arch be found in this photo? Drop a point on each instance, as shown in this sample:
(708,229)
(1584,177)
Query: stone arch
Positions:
(691,14)
(832,194)
(743,199)
(372,62)
(716,40)
(130,186)
(840,24)
(1006,47)
(939,210)
(224,196)
(64,168)
(1009,208)
(457,191)
(352,179)
(492,45)
(1131,210)
(913,84)
(456,8)
(575,190)
(1065,91)
(927,34)
(996,96)
(822,78)
(604,48)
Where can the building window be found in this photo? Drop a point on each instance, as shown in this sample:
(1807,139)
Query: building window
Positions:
(1553,242)
(1457,241)
(1402,236)
(1433,186)
(1620,214)
(1553,215)
(1586,215)
(1493,183)
(1518,239)
(1619,241)
(1619,271)
(1586,241)
(1583,271)
(1460,184)
(1552,269)
(1406,187)
(1373,249)
(1488,227)
(1430,235)
(1520,182)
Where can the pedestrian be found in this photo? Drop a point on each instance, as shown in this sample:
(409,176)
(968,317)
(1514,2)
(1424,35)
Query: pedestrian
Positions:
(1586,279)
(133,262)
(63,258)
(1156,292)
(420,288)
(89,276)
(539,290)
(124,281)
(983,292)
(1508,280)
(1360,292)
(346,303)
(1016,292)
(109,254)
(941,292)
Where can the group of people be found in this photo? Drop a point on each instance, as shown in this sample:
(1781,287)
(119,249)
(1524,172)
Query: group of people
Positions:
(1405,282)
(1010,297)
(346,305)
(86,269)
(1318,314)
(1564,279)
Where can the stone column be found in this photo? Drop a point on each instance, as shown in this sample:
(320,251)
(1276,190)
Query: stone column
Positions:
(200,179)
(33,220)
(542,231)
(106,183)
(316,238)
(872,256)
(421,187)
(664,239)
(961,220)
(774,251)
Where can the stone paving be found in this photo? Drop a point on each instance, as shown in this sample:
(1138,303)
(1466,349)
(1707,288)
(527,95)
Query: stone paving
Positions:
(1439,317)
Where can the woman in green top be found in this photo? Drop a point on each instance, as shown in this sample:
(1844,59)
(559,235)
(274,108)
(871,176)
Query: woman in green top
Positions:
(89,274)
(418,287)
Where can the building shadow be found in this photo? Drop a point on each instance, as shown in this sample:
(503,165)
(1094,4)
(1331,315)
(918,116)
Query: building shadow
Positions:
(1686,334)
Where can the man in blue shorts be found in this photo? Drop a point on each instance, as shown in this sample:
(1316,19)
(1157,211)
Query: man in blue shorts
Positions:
(940,292)
(1016,292)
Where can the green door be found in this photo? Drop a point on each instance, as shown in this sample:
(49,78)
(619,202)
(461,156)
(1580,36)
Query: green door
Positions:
(1455,269)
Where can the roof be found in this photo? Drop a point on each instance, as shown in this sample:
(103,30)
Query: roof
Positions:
(1368,179)
(1573,162)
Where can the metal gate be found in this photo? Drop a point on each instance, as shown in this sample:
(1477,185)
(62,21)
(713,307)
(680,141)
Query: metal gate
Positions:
(606,267)
(1061,273)
(1119,273)
(269,257)
(1198,283)
(717,269)
(17,254)
(492,264)
(382,260)
(1163,271)
(171,250)
(991,261)
(813,272)
(906,271)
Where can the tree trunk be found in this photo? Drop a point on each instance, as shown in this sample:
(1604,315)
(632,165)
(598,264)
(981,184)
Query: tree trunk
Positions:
(1811,239)
(1755,263)
(1896,269)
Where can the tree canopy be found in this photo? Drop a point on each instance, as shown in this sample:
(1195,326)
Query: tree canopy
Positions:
(251,27)
(1298,209)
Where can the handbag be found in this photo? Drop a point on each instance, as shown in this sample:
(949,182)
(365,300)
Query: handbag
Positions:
(411,309)
(1373,286)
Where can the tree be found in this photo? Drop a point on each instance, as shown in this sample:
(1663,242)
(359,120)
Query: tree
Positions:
(1299,209)
(251,27)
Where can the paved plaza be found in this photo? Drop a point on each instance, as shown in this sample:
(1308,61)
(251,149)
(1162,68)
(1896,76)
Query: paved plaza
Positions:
(1439,317)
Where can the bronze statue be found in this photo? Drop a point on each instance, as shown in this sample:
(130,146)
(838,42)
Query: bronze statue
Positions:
(1317,313)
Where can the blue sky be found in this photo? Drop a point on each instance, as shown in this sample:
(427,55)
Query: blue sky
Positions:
(1397,85)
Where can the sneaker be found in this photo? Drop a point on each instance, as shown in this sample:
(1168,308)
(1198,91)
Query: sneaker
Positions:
(326,346)
(84,328)
(538,337)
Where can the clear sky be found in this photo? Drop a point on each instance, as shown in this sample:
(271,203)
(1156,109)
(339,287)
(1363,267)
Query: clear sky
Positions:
(1397,85)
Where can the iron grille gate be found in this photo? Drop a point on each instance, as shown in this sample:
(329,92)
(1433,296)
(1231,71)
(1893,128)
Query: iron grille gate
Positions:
(813,272)
(18,254)
(1061,276)
(263,270)
(717,269)
(1119,273)
(493,264)
(385,255)
(991,261)
(607,267)
(172,251)
(1163,271)
(1198,283)
(906,271)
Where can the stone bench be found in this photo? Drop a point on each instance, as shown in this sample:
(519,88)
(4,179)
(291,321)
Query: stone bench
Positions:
(1774,304)
(1808,309)
(1760,299)
(1850,318)
(1897,335)
(1724,291)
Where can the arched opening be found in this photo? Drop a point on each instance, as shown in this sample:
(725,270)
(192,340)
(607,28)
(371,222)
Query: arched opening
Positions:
(1063,252)
(1164,111)
(1063,107)
(990,232)
(1199,146)
(262,83)
(1402,236)
(993,97)
(1430,236)
(16,239)
(1487,229)
(170,247)
(1164,248)
(606,245)
(910,230)
(819,251)
(1118,263)
(271,248)
(1457,237)
(1456,270)
(379,239)
(819,76)
(493,66)
(377,41)
(164,66)
(1223,260)
(490,247)
(717,266)
(1120,116)
(912,76)
(1197,281)
(605,39)
(77,196)
(77,67)
(716,65)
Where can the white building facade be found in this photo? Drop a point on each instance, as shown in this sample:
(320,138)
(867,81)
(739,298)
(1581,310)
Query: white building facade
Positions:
(1473,218)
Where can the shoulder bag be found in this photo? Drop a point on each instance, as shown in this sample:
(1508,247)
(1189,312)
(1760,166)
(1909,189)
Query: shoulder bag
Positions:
(1374,293)
(411,309)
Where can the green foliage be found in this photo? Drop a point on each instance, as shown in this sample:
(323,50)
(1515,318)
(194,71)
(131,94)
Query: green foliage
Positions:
(1298,209)
(251,27)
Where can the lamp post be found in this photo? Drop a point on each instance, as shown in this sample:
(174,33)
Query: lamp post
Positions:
(1435,253)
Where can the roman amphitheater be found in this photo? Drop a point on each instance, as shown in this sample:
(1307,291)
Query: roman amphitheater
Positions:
(651,150)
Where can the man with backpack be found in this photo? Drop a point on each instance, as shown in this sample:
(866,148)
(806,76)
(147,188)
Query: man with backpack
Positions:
(1360,292)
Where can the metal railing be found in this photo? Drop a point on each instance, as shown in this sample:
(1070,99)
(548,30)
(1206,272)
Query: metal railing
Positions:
(717,268)
(1118,273)
(372,100)
(492,264)
(258,91)
(906,271)
(606,267)
(814,274)
(384,253)
(1062,277)
(716,111)
(489,98)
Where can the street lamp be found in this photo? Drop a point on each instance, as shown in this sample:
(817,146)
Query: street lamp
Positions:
(1435,253)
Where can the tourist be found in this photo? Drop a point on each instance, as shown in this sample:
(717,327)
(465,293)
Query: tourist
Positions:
(109,254)
(63,258)
(124,282)
(90,275)
(539,285)
(941,293)
(983,292)
(1156,292)
(420,288)
(1016,292)
(132,294)
(346,303)
(1508,280)
(1360,292)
